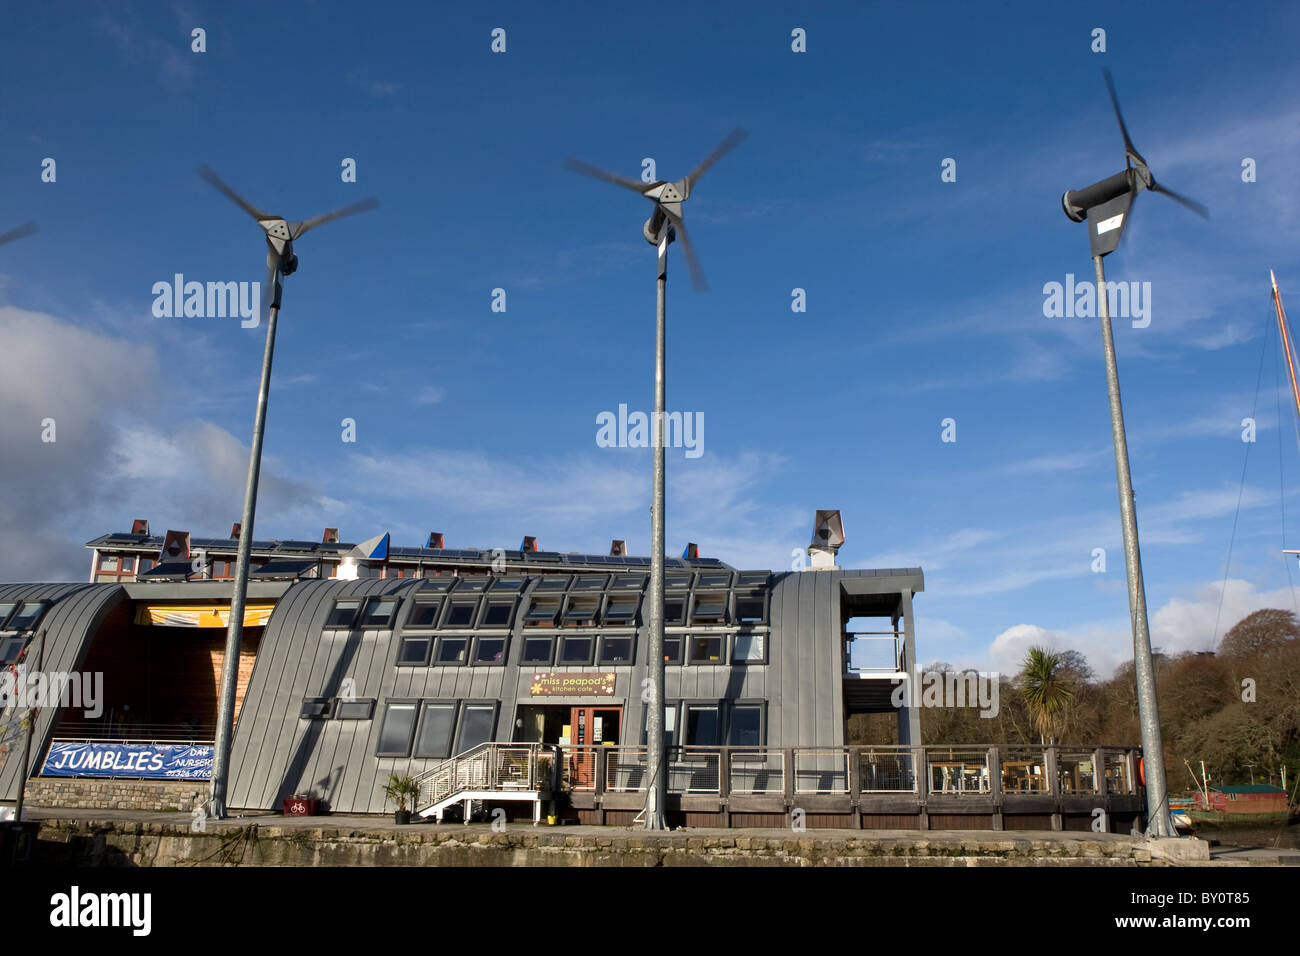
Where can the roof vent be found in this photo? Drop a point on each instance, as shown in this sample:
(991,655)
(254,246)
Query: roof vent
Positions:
(618,549)
(331,536)
(140,526)
(692,551)
(435,541)
(530,544)
(828,536)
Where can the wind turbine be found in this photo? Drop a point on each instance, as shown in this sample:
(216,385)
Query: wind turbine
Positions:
(18,232)
(1106,206)
(281,260)
(664,225)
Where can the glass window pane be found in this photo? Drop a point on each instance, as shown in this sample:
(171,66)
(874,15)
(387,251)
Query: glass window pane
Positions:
(27,615)
(750,608)
(424,614)
(673,610)
(702,726)
(435,731)
(537,650)
(616,650)
(498,614)
(395,733)
(575,650)
(673,648)
(475,726)
(128,564)
(414,650)
(5,610)
(344,613)
(746,725)
(108,562)
(706,649)
(490,650)
(10,648)
(460,615)
(355,709)
(452,650)
(748,647)
(379,612)
(316,707)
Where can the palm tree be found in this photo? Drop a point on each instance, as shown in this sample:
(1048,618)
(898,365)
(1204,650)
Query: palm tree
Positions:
(1047,692)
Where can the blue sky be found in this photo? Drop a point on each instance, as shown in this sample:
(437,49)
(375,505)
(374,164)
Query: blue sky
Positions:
(924,298)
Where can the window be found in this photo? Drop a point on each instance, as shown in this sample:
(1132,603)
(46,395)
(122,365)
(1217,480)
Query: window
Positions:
(749,648)
(498,614)
(537,650)
(425,612)
(753,579)
(702,726)
(128,564)
(108,562)
(362,709)
(490,650)
(670,724)
(380,612)
(460,614)
(746,725)
(27,615)
(673,648)
(11,647)
(674,610)
(543,612)
(622,608)
(473,584)
(452,650)
(629,582)
(414,650)
(714,579)
(477,722)
(708,649)
(436,585)
(316,708)
(507,585)
(5,610)
(576,650)
(396,730)
(344,613)
(710,606)
(436,721)
(751,607)
(677,580)
(582,609)
(551,584)
(616,650)
(590,582)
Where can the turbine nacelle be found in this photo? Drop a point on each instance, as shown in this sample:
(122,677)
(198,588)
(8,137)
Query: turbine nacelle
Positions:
(1106,204)
(668,197)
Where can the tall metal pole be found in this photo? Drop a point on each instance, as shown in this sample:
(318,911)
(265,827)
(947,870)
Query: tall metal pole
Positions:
(657,789)
(1160,822)
(235,631)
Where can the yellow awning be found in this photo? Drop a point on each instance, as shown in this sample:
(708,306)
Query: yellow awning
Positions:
(208,615)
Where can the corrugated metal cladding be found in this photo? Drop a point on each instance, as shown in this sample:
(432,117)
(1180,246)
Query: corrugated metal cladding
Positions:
(75,615)
(277,754)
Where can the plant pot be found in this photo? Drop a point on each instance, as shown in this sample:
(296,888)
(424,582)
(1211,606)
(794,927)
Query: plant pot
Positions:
(402,817)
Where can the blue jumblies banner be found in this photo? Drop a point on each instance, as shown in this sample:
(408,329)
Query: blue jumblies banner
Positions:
(111,759)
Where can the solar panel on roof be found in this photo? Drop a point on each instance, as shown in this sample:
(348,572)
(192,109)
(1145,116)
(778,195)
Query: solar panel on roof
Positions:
(169,569)
(283,569)
(543,556)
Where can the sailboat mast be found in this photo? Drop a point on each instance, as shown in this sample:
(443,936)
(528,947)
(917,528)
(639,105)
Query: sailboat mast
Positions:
(1286,340)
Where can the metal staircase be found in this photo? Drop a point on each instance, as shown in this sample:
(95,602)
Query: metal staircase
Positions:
(490,771)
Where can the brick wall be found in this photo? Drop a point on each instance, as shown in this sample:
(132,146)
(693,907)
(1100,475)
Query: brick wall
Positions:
(78,794)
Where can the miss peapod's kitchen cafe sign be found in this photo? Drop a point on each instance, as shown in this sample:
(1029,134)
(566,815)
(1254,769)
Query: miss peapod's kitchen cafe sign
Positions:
(553,684)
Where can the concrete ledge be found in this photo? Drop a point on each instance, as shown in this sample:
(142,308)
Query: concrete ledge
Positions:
(1179,849)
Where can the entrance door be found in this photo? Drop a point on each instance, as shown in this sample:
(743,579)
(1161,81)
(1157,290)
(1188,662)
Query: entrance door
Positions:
(591,727)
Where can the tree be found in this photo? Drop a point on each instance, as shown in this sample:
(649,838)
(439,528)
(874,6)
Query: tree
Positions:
(1047,691)
(1260,633)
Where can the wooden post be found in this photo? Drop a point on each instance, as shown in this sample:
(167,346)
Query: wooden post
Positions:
(1054,788)
(994,758)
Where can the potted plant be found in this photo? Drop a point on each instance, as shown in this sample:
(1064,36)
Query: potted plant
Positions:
(402,789)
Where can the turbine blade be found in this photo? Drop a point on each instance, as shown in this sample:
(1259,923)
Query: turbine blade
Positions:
(1191,204)
(586,169)
(1129,148)
(18,232)
(734,138)
(692,263)
(230,194)
(296,229)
